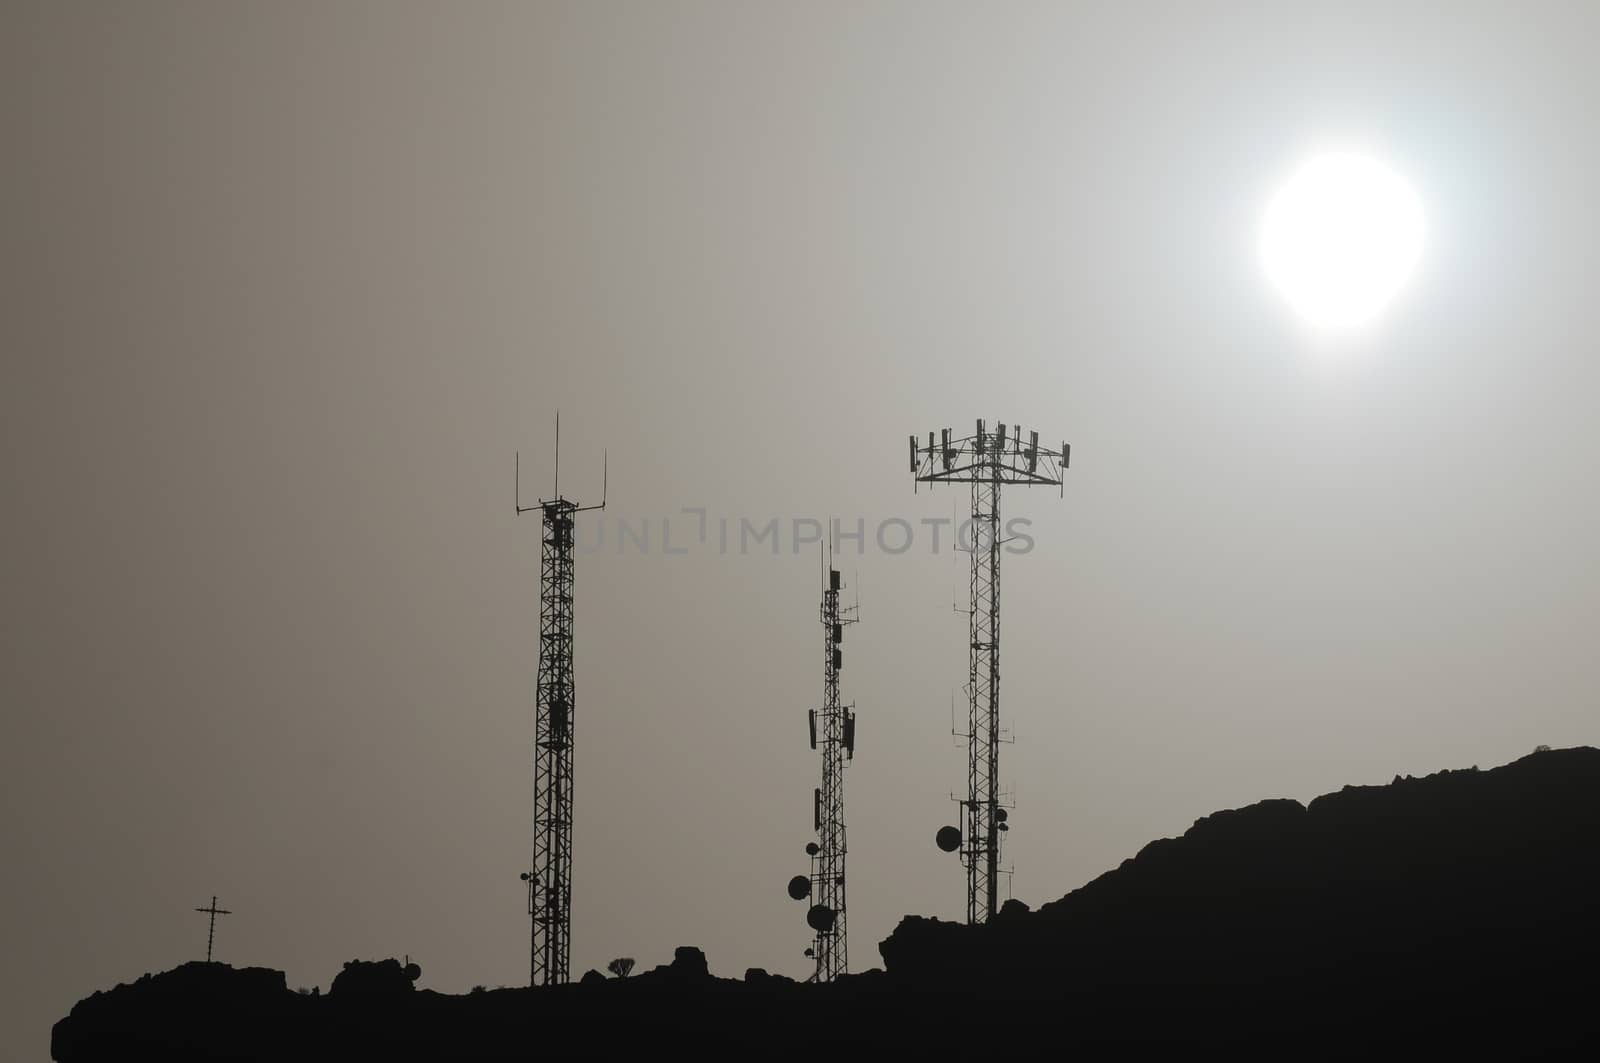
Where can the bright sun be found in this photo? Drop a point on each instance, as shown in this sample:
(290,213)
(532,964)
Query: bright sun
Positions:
(1341,238)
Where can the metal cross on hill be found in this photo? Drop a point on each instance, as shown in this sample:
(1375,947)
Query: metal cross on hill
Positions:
(211,932)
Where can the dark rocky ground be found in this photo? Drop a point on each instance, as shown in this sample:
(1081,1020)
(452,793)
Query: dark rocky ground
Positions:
(1457,910)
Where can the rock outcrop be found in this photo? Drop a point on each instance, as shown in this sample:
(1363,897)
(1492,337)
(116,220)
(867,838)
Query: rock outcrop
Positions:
(1466,893)
(1443,883)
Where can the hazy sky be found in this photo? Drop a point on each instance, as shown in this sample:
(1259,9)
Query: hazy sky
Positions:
(287,284)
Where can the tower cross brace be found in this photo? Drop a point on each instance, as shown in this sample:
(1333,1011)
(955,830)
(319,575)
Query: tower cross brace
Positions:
(987,461)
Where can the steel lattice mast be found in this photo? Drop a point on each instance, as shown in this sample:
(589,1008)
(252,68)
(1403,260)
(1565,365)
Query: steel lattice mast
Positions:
(833,730)
(550,881)
(987,461)
(837,727)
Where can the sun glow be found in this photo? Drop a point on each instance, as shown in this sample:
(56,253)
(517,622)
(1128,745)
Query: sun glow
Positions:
(1341,238)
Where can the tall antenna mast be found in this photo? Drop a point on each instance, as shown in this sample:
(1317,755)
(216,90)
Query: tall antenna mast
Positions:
(988,461)
(833,729)
(550,880)
(211,931)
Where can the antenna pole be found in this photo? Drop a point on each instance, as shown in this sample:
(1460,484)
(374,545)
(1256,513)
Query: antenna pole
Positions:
(833,731)
(987,461)
(550,879)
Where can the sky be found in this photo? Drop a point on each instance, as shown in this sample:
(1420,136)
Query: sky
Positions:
(287,286)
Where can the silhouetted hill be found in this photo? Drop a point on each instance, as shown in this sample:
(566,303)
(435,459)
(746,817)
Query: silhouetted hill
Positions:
(1444,881)
(205,1011)
(1462,905)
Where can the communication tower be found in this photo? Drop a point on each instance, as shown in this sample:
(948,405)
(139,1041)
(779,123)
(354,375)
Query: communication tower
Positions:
(832,729)
(988,461)
(550,880)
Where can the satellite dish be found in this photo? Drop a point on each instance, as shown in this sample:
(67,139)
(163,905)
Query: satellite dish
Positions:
(413,971)
(1000,815)
(812,848)
(800,887)
(525,876)
(948,838)
(820,918)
